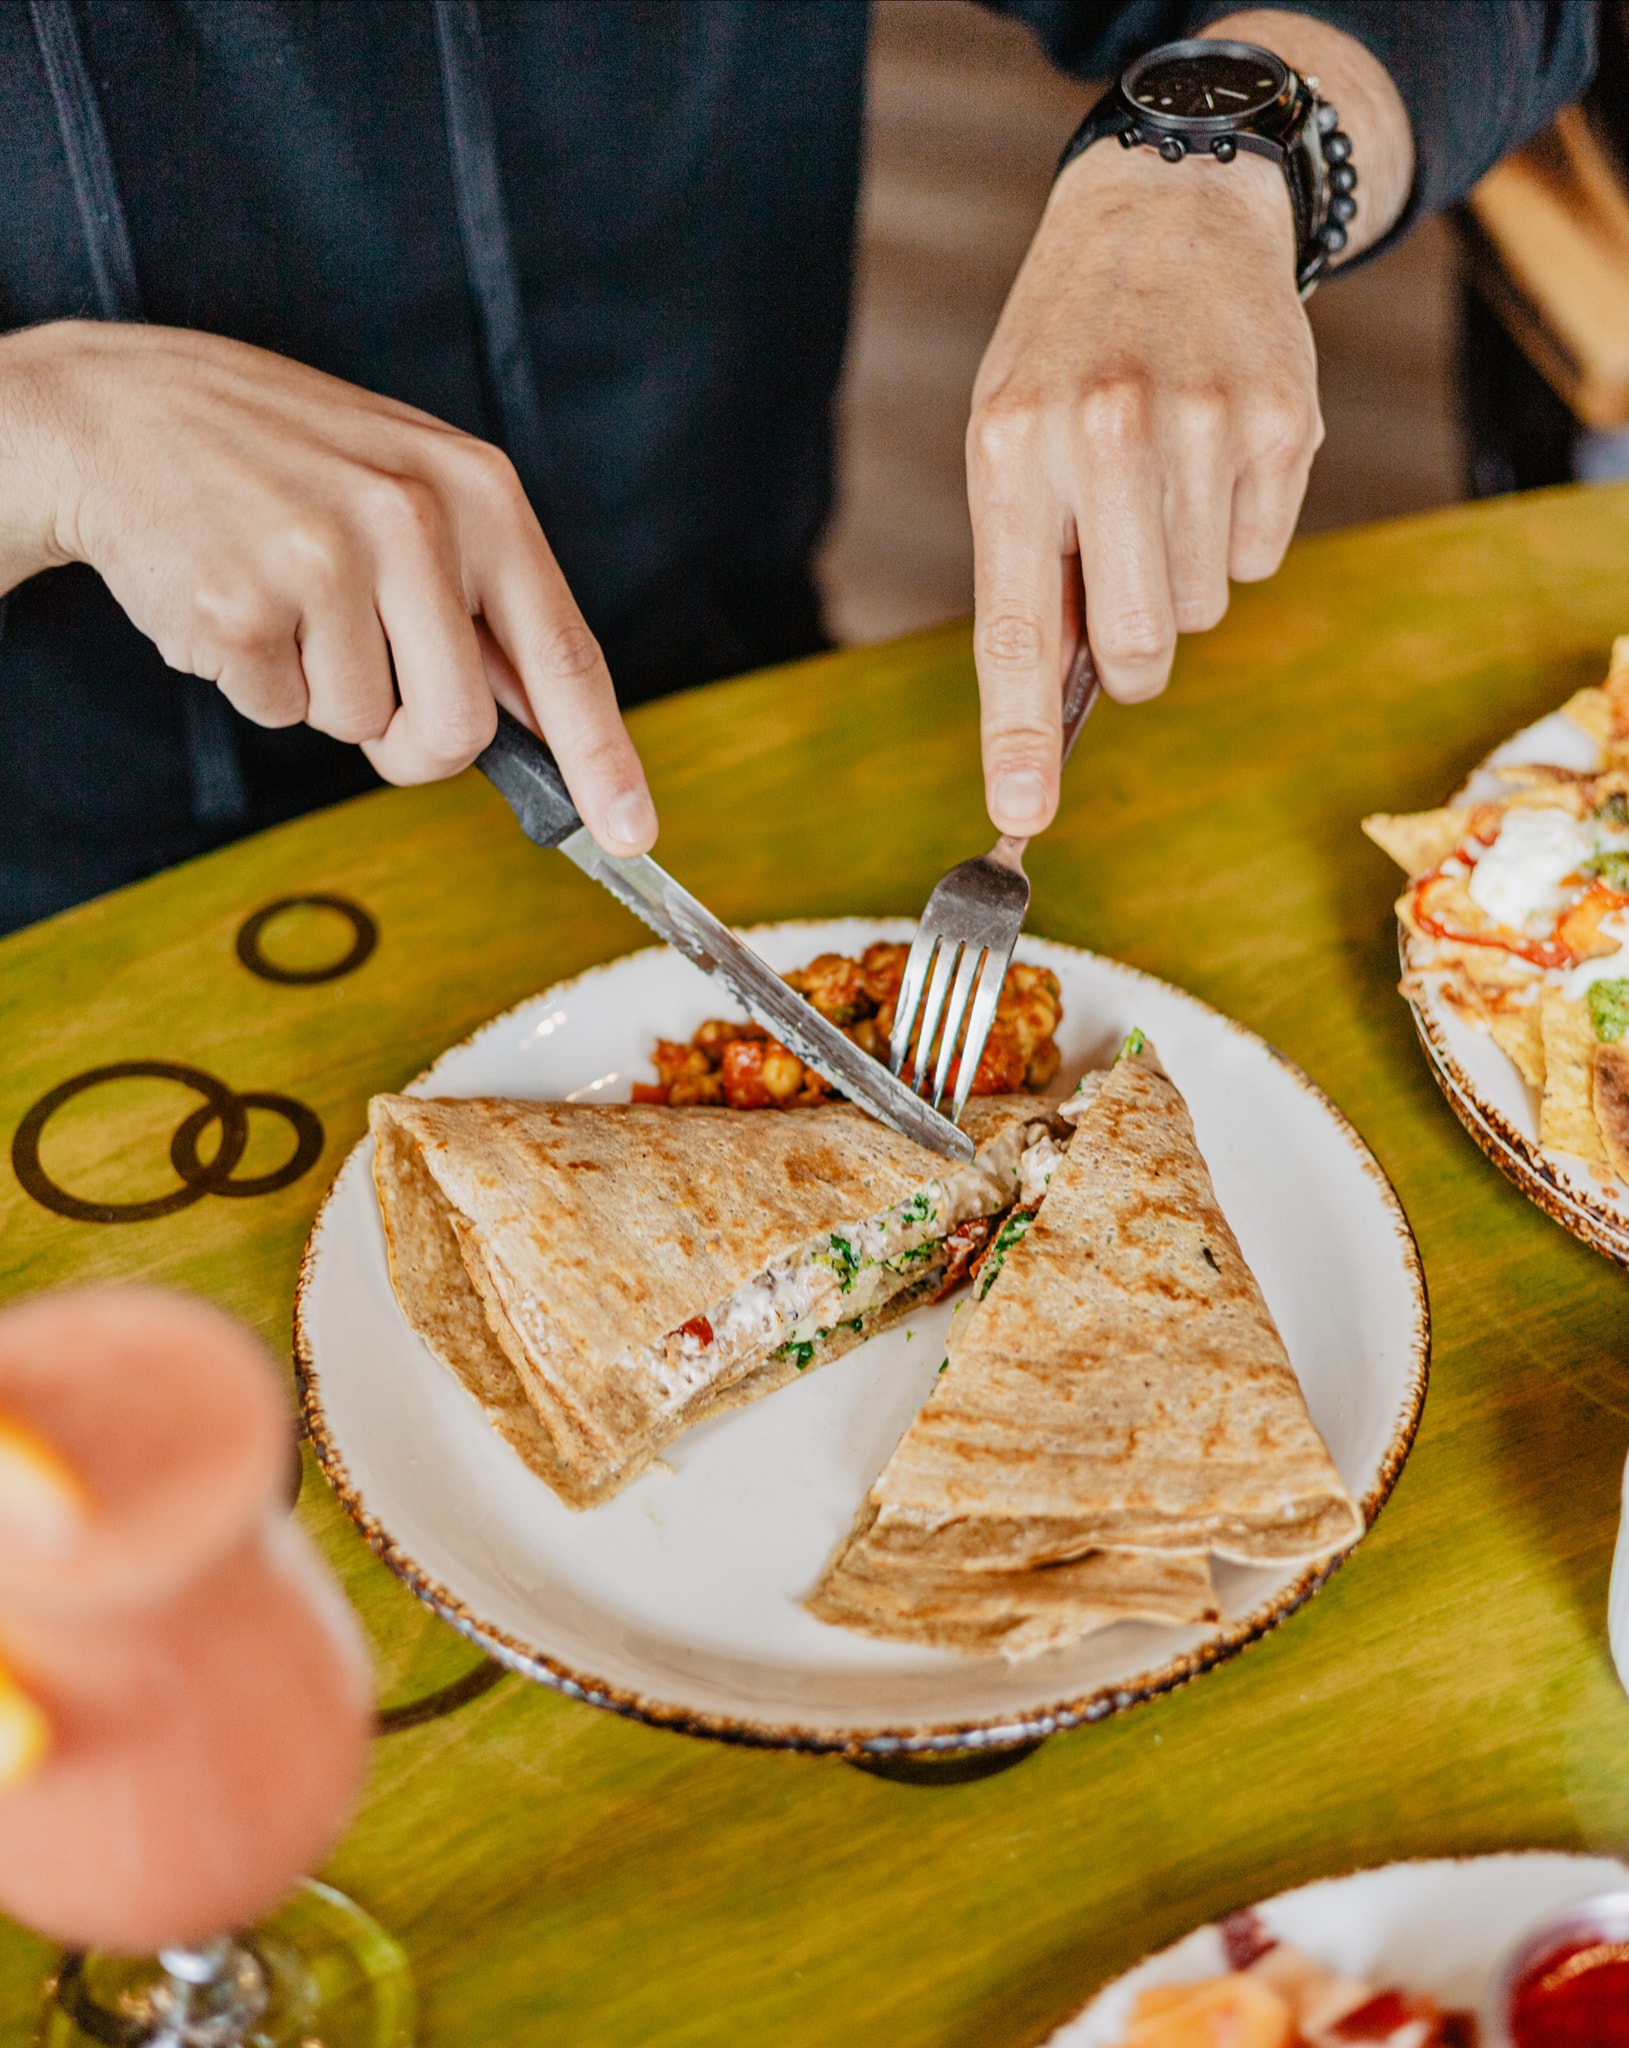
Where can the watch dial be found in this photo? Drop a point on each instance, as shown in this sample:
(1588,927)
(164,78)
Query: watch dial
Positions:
(1205,88)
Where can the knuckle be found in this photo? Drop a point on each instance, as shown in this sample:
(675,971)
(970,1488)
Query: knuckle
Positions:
(1021,743)
(1003,431)
(404,509)
(454,734)
(1009,642)
(1139,637)
(488,471)
(1283,434)
(570,653)
(354,722)
(1116,416)
(317,558)
(242,619)
(1201,417)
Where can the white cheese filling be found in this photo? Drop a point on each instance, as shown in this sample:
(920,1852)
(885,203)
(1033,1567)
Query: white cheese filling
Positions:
(858,1265)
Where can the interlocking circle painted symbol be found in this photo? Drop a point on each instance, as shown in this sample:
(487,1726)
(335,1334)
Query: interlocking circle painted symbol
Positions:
(365,936)
(221,1104)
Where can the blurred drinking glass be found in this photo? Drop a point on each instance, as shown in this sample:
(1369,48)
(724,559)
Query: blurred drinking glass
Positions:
(184,1696)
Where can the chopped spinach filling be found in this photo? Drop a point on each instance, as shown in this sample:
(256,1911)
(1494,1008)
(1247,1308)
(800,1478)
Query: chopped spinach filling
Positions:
(1615,811)
(844,1261)
(1613,869)
(1135,1041)
(800,1351)
(1609,1010)
(918,1255)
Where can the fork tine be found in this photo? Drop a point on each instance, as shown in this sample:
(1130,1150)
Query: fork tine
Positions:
(979,1020)
(910,990)
(933,1004)
(955,1017)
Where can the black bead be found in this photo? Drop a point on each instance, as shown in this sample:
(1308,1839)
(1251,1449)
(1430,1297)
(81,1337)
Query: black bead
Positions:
(1224,149)
(1343,178)
(1342,208)
(1333,238)
(1337,147)
(1327,119)
(1172,150)
(1129,138)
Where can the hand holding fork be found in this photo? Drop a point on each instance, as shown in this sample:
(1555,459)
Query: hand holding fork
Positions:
(965,940)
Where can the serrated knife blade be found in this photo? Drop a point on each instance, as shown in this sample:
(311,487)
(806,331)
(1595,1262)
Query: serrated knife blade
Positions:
(522,769)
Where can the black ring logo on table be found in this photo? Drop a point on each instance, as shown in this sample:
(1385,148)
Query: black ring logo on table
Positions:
(364,937)
(229,1107)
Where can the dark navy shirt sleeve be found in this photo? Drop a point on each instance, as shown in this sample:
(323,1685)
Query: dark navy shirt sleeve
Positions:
(1478,77)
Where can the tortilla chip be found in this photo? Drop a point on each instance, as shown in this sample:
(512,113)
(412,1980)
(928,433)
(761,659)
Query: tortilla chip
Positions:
(1566,1115)
(1591,711)
(1610,1095)
(1418,840)
(1519,1035)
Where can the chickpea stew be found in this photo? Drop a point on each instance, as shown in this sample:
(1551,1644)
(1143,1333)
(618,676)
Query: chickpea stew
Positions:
(739,1066)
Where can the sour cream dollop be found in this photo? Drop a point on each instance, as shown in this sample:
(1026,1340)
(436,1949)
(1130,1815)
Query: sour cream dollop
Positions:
(1519,877)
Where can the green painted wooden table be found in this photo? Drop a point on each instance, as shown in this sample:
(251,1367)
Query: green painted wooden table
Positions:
(557,1874)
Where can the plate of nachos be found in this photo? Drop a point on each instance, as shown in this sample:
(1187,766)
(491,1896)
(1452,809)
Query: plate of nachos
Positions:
(1514,939)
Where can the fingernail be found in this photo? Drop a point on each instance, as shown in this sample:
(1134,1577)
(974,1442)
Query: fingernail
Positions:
(42,1504)
(1020,797)
(632,818)
(24,1734)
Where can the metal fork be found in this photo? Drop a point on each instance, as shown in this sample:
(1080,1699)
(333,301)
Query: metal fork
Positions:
(964,942)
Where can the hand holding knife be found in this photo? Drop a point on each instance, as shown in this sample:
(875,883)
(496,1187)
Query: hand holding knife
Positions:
(523,771)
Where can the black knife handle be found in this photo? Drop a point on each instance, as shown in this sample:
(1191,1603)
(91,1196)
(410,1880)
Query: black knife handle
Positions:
(523,771)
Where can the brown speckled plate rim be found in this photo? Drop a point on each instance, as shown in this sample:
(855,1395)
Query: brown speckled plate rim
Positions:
(1603,1227)
(1034,1722)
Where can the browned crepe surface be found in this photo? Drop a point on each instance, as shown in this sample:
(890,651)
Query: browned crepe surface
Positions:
(534,1245)
(1121,1387)
(1014,1614)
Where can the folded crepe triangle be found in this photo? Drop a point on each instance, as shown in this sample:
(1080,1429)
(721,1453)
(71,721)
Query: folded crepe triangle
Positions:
(603,1276)
(1118,1405)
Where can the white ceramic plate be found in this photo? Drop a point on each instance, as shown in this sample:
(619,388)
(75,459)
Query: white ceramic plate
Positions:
(679,1600)
(1489,1097)
(1441,1928)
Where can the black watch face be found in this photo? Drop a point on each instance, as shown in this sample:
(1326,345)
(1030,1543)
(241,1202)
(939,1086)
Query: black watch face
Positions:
(1214,84)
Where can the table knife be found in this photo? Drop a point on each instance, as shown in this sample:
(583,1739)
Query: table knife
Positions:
(524,772)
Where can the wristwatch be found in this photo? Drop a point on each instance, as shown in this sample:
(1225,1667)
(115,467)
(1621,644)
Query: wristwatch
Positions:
(1202,96)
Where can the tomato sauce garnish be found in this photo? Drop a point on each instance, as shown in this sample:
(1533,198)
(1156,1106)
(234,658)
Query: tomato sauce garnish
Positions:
(1575,1997)
(1554,953)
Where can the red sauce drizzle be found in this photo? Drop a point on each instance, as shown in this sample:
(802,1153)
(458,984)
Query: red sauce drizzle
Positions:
(1554,953)
(1541,952)
(699,1328)
(1575,1997)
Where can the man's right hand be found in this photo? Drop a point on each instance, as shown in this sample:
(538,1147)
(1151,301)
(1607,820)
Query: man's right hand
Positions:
(319,552)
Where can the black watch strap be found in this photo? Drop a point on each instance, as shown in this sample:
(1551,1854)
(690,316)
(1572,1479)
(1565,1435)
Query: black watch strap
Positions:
(1307,145)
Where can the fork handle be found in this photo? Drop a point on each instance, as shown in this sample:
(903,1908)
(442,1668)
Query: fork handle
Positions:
(1081,689)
